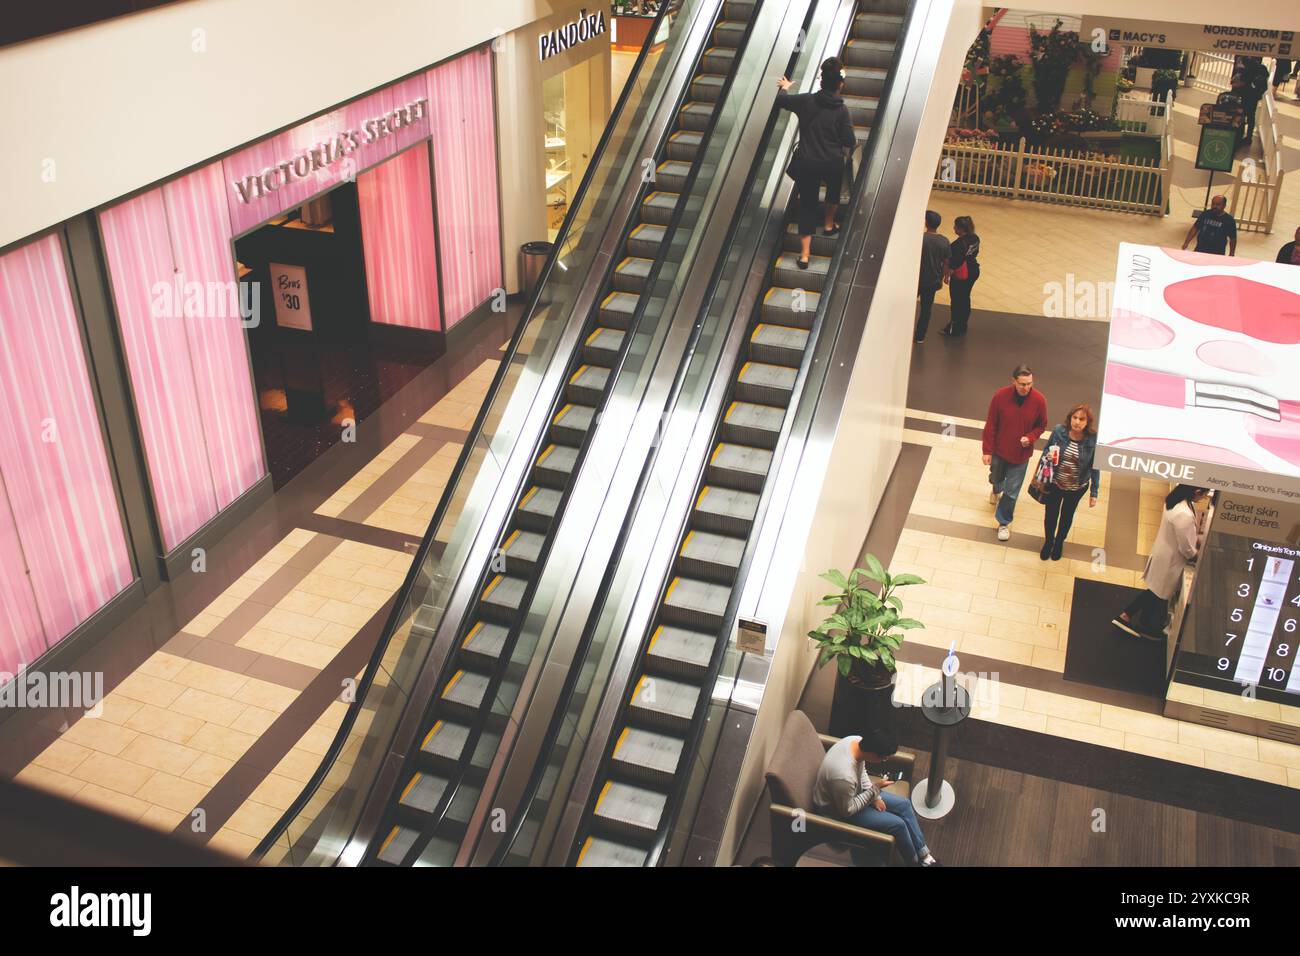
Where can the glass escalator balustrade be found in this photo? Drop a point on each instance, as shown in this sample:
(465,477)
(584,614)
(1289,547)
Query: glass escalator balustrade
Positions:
(442,783)
(669,693)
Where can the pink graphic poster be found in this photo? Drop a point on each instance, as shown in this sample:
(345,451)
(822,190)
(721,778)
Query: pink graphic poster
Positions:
(1201,384)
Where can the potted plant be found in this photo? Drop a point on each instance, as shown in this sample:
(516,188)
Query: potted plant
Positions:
(861,637)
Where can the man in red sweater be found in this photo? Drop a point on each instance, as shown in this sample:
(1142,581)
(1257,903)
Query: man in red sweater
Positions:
(1017,416)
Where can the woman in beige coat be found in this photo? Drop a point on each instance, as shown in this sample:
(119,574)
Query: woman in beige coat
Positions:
(1174,549)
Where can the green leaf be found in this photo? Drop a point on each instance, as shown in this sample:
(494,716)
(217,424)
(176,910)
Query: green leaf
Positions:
(894,601)
(844,664)
(888,658)
(904,579)
(870,656)
(874,569)
(824,656)
(837,578)
(908,623)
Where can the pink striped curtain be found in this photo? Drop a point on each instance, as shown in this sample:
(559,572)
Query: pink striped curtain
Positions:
(465,170)
(397,231)
(173,280)
(63,552)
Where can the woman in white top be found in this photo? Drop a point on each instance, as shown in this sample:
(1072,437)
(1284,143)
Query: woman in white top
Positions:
(1174,549)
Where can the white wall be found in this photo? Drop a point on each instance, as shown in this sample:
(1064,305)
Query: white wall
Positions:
(118,105)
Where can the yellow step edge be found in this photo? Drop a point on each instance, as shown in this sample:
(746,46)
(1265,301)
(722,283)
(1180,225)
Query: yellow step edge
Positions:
(743,369)
(604,791)
(700,500)
(542,457)
(675,582)
(687,543)
(716,451)
(585,847)
(622,737)
(408,787)
(605,301)
(565,410)
(429,736)
(452,683)
(478,626)
(731,408)
(495,581)
(581,368)
(651,646)
(528,497)
(636,691)
(511,540)
(388,839)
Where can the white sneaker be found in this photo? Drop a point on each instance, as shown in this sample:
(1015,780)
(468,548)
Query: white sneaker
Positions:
(993,497)
(1004,533)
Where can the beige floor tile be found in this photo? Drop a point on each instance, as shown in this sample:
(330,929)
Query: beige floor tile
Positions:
(948,562)
(298,765)
(253,819)
(222,741)
(1088,733)
(1164,749)
(163,665)
(1008,616)
(62,756)
(118,709)
(953,620)
(1058,705)
(263,641)
(234,843)
(1049,658)
(160,754)
(997,649)
(51,780)
(1001,571)
(277,791)
(931,595)
(118,775)
(1135,722)
(372,598)
(208,707)
(963,582)
(292,624)
(214,680)
(307,652)
(1011,717)
(342,612)
(254,720)
(172,792)
(1245,767)
(161,818)
(1276,752)
(208,769)
(112,801)
(1215,741)
(1032,596)
(99,735)
(262,693)
(169,725)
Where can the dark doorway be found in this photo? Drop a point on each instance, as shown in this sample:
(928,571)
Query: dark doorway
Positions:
(319,365)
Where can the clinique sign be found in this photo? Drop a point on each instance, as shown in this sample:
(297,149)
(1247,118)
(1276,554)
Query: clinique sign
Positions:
(323,155)
(571,34)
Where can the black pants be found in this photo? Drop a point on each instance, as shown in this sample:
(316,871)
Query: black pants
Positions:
(809,178)
(1059,513)
(959,294)
(1147,612)
(923,319)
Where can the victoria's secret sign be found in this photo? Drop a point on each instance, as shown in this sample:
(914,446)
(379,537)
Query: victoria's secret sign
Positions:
(312,160)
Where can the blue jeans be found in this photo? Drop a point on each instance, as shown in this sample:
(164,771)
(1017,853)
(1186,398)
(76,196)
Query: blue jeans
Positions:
(898,819)
(1006,480)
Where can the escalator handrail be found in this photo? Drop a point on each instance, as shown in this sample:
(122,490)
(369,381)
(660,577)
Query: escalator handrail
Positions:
(462,460)
(670,230)
(644,474)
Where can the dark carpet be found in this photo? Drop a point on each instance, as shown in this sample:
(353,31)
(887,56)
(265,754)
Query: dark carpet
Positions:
(1104,656)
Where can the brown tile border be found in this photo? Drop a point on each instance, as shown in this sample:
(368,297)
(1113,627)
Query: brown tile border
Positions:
(362,533)
(398,473)
(938,428)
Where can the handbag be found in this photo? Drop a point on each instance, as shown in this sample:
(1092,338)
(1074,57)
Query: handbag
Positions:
(962,272)
(1042,478)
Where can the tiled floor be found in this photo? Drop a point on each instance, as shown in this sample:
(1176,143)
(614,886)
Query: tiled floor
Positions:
(1002,603)
(1029,250)
(192,720)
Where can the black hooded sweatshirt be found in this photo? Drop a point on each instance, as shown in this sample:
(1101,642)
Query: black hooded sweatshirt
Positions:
(825,128)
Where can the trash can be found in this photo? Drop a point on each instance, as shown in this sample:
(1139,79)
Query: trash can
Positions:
(532,257)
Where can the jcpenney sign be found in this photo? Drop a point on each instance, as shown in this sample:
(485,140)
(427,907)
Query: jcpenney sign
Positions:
(571,34)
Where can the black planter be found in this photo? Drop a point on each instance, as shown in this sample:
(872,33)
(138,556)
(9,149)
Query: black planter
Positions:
(861,703)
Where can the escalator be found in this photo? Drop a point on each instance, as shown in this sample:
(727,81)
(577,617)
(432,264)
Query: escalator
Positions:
(442,778)
(638,786)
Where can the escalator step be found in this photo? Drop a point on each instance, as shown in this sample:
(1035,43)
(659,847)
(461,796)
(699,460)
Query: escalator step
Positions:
(707,87)
(684,144)
(438,852)
(602,346)
(501,598)
(465,691)
(485,750)
(538,507)
(725,510)
(397,844)
(877,53)
(697,604)
(791,306)
(461,807)
(695,116)
(714,557)
(678,652)
(758,426)
(865,80)
(587,384)
(570,424)
(555,465)
(821,245)
(738,466)
(862,134)
(877,26)
(671,175)
(627,809)
(520,552)
(617,308)
(658,207)
(485,641)
(664,703)
(599,852)
(644,240)
(765,384)
(787,274)
(647,755)
(425,622)
(423,792)
(446,740)
(862,109)
(631,273)
(717,59)
(729,33)
(738,9)
(778,344)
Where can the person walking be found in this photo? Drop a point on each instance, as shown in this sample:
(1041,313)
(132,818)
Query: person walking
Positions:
(1255,75)
(1175,547)
(1289,254)
(1214,230)
(1017,416)
(963,271)
(1069,452)
(934,269)
(1281,73)
(825,139)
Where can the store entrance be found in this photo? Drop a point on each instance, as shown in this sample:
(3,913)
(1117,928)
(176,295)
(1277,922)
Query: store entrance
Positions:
(320,365)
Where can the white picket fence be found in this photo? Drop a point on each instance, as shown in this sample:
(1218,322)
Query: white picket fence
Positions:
(1256,191)
(1153,115)
(1058,176)
(1213,71)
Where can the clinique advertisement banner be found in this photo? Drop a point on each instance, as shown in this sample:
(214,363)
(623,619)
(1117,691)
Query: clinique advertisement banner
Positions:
(1200,372)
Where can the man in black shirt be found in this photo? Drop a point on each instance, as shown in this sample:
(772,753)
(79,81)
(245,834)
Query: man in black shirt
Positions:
(934,266)
(1290,253)
(1214,229)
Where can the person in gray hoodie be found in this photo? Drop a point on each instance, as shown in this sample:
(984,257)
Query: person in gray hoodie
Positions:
(825,139)
(845,790)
